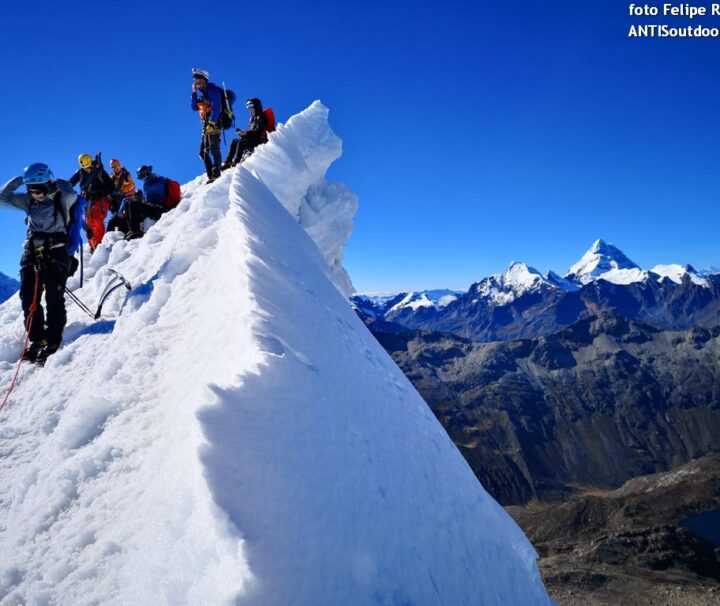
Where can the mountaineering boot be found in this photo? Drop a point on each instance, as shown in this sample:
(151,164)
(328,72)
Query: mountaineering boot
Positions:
(46,352)
(31,353)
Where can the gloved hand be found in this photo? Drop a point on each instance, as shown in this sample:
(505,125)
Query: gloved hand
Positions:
(211,128)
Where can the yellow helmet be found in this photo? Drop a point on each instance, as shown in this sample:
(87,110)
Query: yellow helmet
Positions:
(85,160)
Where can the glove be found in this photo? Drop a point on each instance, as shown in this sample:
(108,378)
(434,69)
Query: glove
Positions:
(211,128)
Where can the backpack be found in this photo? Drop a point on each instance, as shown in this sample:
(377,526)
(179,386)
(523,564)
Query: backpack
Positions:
(227,117)
(270,115)
(174,194)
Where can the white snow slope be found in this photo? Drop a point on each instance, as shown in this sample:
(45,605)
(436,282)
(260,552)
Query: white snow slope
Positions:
(230,432)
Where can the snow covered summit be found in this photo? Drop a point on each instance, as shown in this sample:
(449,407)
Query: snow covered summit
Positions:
(230,433)
(607,262)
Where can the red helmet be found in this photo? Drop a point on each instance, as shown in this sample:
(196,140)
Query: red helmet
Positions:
(115,163)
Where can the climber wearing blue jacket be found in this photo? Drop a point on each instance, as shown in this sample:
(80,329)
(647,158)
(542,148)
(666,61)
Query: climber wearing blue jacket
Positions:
(148,205)
(207,101)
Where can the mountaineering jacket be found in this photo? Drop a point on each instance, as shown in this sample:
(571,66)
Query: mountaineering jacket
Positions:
(94,185)
(123,182)
(44,216)
(155,189)
(257,125)
(208,102)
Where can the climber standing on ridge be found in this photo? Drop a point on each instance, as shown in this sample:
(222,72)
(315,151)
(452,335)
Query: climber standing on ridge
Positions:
(250,138)
(45,262)
(207,101)
(96,187)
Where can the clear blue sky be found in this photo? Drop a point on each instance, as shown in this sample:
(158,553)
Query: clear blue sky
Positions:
(475,133)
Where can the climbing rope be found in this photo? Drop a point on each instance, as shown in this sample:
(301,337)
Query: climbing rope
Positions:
(28,324)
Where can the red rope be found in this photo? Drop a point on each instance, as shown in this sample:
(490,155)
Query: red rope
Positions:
(28,324)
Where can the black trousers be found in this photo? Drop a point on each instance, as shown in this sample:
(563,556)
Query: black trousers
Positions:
(53,266)
(239,146)
(118,222)
(211,154)
(138,210)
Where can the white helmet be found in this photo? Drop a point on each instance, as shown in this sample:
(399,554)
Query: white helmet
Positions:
(200,72)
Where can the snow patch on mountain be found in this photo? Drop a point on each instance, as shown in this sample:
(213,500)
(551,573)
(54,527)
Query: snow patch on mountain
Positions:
(677,273)
(560,282)
(230,433)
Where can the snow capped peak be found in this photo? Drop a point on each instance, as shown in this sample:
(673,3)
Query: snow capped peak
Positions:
(607,262)
(514,282)
(521,276)
(676,272)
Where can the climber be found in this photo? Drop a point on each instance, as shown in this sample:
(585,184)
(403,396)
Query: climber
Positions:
(207,101)
(97,187)
(45,262)
(250,138)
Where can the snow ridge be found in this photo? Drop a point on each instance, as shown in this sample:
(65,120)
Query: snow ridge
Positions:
(230,433)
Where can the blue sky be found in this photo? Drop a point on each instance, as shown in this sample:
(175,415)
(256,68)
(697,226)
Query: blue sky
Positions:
(475,133)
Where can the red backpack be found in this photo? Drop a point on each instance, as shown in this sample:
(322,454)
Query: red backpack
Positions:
(270,115)
(174,194)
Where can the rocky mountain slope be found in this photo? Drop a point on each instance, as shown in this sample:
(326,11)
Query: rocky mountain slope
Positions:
(625,547)
(595,404)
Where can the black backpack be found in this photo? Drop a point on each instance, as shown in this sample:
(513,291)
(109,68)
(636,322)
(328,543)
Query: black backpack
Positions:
(227,117)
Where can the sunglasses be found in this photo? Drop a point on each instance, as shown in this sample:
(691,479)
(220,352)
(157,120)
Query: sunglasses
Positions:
(37,191)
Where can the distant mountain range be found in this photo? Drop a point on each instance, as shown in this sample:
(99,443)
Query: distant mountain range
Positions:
(523,303)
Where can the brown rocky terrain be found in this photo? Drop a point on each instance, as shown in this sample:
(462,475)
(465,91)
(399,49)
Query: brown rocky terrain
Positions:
(624,547)
(596,404)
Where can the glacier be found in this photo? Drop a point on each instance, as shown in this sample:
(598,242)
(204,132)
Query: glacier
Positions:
(230,433)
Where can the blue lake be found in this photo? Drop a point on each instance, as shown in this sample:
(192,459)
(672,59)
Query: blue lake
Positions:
(707,525)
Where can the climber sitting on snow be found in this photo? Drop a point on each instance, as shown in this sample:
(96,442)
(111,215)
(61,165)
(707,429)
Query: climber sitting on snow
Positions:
(151,203)
(45,262)
(250,138)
